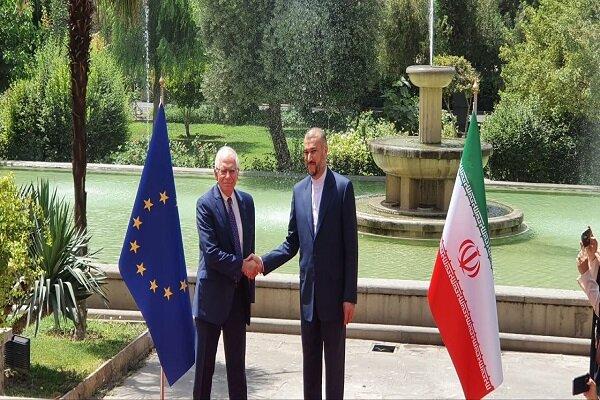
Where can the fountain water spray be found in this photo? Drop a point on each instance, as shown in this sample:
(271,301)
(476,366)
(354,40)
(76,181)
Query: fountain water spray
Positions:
(430,32)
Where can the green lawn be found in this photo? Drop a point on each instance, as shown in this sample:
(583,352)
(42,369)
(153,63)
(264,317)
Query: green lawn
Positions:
(247,140)
(59,363)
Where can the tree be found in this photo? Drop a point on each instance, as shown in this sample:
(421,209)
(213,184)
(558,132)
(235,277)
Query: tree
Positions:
(184,80)
(172,35)
(405,39)
(80,25)
(18,39)
(473,29)
(306,52)
(556,59)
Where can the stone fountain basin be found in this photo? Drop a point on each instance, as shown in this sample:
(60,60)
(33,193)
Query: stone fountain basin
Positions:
(406,156)
(430,76)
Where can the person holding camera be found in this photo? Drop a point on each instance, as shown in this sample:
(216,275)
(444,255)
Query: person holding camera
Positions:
(588,261)
(587,264)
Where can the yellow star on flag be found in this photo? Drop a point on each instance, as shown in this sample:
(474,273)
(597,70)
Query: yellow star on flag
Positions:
(134,246)
(148,204)
(183,285)
(140,269)
(168,293)
(137,222)
(164,197)
(153,285)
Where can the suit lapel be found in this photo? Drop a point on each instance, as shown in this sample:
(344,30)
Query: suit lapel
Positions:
(245,225)
(307,199)
(326,198)
(222,214)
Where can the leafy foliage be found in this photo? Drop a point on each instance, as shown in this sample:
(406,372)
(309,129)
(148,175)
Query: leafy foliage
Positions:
(36,121)
(18,39)
(555,57)
(531,145)
(404,37)
(463,80)
(401,106)
(349,151)
(184,153)
(17,268)
(107,103)
(475,30)
(66,277)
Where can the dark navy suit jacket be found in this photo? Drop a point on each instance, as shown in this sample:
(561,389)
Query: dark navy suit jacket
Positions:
(329,258)
(220,268)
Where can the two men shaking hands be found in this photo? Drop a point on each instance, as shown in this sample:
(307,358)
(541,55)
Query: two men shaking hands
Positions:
(322,227)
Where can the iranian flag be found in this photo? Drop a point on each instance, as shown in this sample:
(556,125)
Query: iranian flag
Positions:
(461,293)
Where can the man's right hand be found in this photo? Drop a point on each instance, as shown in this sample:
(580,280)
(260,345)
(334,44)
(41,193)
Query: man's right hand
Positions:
(582,262)
(252,266)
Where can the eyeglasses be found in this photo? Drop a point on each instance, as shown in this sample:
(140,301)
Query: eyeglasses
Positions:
(224,171)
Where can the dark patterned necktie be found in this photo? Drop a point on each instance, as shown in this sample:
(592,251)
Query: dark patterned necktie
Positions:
(234,228)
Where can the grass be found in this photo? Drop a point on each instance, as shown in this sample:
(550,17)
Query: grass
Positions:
(58,363)
(247,140)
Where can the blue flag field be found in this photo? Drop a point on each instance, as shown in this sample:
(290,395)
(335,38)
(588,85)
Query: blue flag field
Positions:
(152,261)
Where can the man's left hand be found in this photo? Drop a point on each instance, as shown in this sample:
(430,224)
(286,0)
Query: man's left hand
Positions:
(348,312)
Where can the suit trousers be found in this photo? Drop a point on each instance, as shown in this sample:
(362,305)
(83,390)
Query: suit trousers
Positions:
(234,341)
(316,336)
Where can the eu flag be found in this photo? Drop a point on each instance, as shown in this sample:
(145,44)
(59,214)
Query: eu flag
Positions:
(152,263)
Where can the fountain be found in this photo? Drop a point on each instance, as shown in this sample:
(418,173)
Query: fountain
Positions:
(421,170)
(420,173)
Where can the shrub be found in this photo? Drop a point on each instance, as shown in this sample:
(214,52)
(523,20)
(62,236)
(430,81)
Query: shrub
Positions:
(555,57)
(401,106)
(194,154)
(107,105)
(67,277)
(35,120)
(17,268)
(530,145)
(203,114)
(349,151)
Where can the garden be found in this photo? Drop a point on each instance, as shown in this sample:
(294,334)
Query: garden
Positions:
(255,75)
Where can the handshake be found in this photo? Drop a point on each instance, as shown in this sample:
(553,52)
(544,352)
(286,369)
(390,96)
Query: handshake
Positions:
(252,266)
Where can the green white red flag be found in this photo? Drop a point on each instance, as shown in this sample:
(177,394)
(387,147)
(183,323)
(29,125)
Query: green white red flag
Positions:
(461,292)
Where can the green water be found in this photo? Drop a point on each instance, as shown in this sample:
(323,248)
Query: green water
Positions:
(544,257)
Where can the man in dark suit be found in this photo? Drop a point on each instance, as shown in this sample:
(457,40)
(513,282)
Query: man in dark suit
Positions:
(225,281)
(323,226)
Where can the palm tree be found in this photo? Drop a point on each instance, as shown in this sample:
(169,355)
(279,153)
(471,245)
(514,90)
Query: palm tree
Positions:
(80,25)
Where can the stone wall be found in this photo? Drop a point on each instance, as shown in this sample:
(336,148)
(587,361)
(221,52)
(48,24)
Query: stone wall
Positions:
(521,310)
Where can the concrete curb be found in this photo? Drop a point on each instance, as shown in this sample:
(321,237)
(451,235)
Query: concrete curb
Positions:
(117,168)
(394,333)
(113,369)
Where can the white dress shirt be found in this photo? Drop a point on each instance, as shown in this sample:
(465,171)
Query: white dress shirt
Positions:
(588,283)
(317,191)
(236,213)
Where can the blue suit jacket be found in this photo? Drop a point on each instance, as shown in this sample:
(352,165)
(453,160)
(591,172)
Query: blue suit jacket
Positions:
(220,267)
(329,258)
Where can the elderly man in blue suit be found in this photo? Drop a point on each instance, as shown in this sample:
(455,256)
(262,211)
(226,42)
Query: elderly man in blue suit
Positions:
(323,227)
(225,281)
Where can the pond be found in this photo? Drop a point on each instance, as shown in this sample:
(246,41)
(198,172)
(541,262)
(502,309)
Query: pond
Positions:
(542,257)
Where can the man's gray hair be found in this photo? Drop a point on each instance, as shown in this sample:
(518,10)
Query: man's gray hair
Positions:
(318,132)
(222,153)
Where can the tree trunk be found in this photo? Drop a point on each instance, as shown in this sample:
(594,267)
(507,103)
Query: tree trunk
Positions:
(282,153)
(81,325)
(80,21)
(186,121)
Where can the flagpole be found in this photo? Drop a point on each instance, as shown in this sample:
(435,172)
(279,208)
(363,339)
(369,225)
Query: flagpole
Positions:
(161,82)
(475,93)
(162,384)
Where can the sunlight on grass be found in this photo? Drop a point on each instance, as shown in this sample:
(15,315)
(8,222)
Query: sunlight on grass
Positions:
(58,363)
(247,140)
